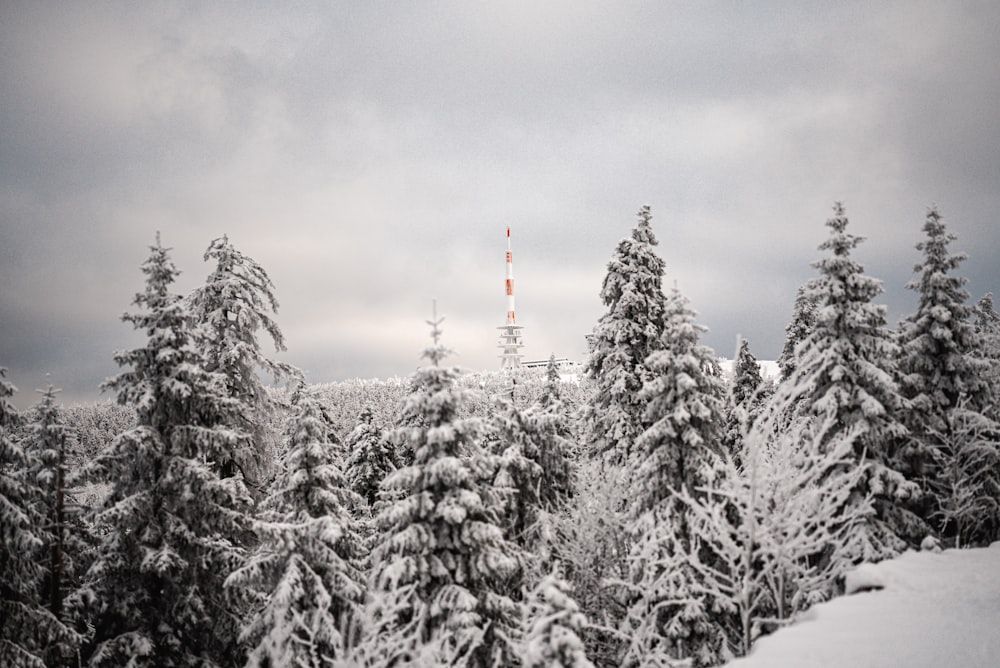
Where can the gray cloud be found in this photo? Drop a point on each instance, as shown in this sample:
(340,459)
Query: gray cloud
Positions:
(371,156)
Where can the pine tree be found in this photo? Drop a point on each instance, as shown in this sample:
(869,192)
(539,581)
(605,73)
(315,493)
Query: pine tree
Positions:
(173,526)
(684,409)
(966,487)
(519,475)
(846,369)
(549,422)
(370,457)
(745,396)
(587,538)
(552,627)
(669,616)
(236,301)
(46,445)
(441,540)
(987,328)
(622,340)
(28,630)
(942,364)
(804,315)
(305,578)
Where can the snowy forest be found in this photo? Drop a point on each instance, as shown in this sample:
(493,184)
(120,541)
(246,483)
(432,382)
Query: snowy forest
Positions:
(650,510)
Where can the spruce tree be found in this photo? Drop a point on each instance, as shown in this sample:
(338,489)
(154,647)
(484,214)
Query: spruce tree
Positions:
(441,540)
(47,443)
(174,528)
(552,627)
(236,301)
(804,314)
(519,475)
(623,339)
(846,370)
(668,614)
(684,409)
(28,629)
(370,457)
(548,420)
(305,579)
(987,327)
(942,363)
(745,396)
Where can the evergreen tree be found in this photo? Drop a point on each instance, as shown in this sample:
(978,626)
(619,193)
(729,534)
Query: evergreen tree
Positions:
(623,340)
(552,627)
(804,315)
(942,364)
(669,615)
(587,538)
(28,630)
(966,488)
(548,420)
(745,397)
(173,526)
(987,327)
(519,476)
(370,457)
(46,444)
(441,540)
(236,301)
(684,409)
(305,579)
(846,369)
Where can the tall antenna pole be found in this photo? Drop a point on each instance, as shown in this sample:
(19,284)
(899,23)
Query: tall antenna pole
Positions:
(510,333)
(510,283)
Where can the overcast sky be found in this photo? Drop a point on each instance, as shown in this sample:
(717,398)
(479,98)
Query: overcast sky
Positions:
(370,156)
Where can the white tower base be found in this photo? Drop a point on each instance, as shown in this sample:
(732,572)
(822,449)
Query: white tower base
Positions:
(511,344)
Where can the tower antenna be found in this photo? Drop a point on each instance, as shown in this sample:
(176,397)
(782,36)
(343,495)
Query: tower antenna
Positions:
(510,333)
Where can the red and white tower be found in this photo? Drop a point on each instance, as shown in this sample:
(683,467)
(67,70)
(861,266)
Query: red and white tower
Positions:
(510,334)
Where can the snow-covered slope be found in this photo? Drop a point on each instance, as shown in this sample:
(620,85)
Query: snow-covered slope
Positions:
(933,611)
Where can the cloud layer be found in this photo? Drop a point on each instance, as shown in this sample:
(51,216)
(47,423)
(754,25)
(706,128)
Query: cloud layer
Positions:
(371,155)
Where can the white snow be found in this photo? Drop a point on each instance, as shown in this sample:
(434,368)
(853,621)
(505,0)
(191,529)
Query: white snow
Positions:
(935,610)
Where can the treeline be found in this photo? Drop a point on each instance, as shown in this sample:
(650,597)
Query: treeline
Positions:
(650,512)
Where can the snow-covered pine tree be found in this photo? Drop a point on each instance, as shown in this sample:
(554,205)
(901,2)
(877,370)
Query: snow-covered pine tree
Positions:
(173,526)
(668,614)
(745,397)
(988,335)
(441,539)
(684,409)
(46,445)
(587,538)
(552,626)
(624,337)
(370,459)
(28,630)
(988,332)
(966,487)
(846,369)
(305,578)
(942,361)
(987,327)
(549,421)
(235,302)
(803,320)
(519,474)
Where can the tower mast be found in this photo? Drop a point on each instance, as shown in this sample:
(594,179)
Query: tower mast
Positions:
(510,333)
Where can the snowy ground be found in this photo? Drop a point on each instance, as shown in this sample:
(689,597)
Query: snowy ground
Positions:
(935,611)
